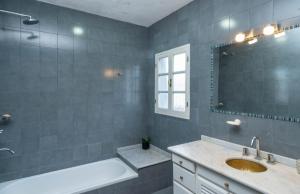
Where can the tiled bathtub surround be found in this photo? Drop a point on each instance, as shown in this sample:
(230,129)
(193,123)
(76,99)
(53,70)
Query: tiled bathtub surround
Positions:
(151,179)
(204,23)
(67,102)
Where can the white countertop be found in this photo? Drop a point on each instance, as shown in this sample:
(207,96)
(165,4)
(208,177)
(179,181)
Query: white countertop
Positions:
(278,179)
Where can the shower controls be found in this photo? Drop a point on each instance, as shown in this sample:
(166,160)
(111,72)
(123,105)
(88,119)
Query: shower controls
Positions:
(6,117)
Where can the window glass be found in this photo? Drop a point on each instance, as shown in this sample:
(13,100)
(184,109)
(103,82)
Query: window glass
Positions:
(163,65)
(179,82)
(179,102)
(163,101)
(179,62)
(163,83)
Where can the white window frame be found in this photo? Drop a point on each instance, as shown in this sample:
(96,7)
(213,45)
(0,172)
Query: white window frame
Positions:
(170,54)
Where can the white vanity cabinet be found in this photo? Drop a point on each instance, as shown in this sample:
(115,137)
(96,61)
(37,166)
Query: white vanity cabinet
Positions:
(190,178)
(184,175)
(179,189)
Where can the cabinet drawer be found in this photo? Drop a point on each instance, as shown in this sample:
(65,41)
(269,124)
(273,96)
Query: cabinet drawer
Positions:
(184,177)
(206,187)
(184,163)
(224,182)
(178,189)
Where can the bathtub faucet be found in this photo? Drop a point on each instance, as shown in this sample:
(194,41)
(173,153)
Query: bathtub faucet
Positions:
(7,150)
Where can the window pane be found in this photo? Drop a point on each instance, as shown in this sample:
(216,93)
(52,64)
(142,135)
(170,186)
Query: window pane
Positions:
(179,82)
(163,65)
(163,83)
(163,100)
(179,62)
(179,102)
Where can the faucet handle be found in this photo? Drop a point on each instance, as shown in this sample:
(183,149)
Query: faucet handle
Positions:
(271,159)
(245,151)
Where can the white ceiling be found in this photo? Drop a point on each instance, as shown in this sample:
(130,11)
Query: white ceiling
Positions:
(140,12)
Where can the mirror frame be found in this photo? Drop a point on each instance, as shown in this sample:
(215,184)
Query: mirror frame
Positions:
(227,112)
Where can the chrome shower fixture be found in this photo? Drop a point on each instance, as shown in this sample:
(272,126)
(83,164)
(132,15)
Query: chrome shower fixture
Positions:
(28,21)
(8,150)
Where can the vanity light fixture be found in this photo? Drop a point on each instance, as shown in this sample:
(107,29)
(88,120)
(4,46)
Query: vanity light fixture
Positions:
(252,41)
(269,30)
(240,37)
(279,34)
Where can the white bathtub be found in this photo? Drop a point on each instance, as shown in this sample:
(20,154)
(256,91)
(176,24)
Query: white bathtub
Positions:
(73,180)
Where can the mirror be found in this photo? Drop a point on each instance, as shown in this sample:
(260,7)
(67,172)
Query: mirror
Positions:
(261,79)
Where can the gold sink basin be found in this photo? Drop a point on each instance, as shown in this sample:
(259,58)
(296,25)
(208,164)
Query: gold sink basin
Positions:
(246,165)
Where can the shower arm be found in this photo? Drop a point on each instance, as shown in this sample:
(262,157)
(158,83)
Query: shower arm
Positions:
(15,13)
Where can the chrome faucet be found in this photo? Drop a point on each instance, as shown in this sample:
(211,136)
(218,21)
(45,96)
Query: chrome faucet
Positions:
(7,150)
(256,140)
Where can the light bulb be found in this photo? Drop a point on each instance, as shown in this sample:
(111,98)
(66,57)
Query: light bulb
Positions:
(226,23)
(240,37)
(269,30)
(280,34)
(253,41)
(78,30)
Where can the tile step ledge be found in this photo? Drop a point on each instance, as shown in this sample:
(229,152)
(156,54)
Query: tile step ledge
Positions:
(139,158)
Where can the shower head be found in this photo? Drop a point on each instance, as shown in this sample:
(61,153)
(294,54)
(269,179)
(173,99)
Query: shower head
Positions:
(227,53)
(30,21)
(224,53)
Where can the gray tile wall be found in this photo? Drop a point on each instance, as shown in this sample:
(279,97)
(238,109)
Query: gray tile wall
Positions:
(67,108)
(204,23)
(66,112)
